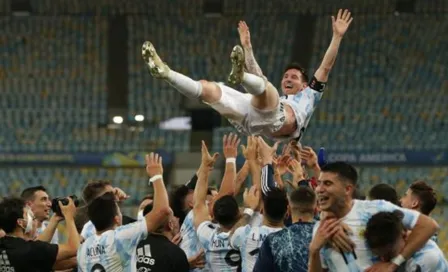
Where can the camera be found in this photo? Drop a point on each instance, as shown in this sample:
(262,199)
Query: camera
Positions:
(64,200)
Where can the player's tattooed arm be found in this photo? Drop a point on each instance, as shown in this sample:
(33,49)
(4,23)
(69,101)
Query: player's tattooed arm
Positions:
(249,57)
(340,26)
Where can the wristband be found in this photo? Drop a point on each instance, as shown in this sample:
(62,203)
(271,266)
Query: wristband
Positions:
(230,160)
(249,211)
(398,260)
(154,178)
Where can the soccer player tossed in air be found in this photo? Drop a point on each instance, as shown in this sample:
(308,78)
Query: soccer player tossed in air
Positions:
(261,111)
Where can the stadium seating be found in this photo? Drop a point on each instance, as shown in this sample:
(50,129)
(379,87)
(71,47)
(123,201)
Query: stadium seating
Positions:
(387,89)
(68,181)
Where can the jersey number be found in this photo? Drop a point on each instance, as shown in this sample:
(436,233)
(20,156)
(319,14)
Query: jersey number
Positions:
(98,268)
(233,259)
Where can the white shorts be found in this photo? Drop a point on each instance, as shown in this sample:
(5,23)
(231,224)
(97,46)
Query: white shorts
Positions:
(237,108)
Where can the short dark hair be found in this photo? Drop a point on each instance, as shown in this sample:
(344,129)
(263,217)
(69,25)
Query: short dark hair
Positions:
(343,170)
(303,199)
(384,191)
(93,189)
(375,234)
(426,195)
(275,204)
(226,210)
(11,209)
(297,66)
(177,199)
(28,193)
(102,210)
(147,209)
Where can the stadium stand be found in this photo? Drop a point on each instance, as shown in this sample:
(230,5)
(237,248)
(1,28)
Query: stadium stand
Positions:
(64,181)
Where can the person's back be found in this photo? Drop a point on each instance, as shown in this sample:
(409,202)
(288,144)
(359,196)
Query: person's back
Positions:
(113,250)
(157,253)
(19,255)
(110,249)
(219,254)
(288,249)
(289,246)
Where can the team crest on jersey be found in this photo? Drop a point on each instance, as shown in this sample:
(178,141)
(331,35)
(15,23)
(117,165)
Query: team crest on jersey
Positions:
(362,232)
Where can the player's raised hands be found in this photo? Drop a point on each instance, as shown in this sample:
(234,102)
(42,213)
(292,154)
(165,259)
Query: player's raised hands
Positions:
(296,169)
(243,30)
(153,164)
(206,159)
(230,144)
(265,151)
(308,156)
(281,162)
(341,22)
(252,198)
(250,152)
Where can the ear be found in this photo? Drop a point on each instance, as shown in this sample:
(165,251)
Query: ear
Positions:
(117,220)
(349,189)
(190,204)
(415,203)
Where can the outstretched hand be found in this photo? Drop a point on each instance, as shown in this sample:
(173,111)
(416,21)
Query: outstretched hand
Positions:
(341,22)
(243,30)
(206,159)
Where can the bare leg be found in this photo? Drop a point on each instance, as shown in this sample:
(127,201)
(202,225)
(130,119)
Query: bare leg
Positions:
(264,94)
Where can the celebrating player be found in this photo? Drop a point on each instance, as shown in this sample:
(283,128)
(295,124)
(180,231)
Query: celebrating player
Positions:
(262,111)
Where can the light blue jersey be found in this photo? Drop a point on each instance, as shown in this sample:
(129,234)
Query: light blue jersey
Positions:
(428,259)
(55,239)
(219,255)
(303,104)
(357,220)
(190,241)
(113,250)
(88,230)
(247,240)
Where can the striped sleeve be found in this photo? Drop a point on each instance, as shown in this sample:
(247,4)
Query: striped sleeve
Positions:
(267,179)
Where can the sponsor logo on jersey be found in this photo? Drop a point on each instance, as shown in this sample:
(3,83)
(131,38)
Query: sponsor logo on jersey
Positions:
(144,255)
(5,265)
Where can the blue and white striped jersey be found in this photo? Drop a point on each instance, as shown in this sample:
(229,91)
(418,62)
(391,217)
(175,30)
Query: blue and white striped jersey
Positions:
(113,250)
(88,230)
(219,255)
(428,259)
(190,241)
(55,239)
(357,219)
(247,240)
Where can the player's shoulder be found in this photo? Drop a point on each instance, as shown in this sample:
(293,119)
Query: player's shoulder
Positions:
(431,257)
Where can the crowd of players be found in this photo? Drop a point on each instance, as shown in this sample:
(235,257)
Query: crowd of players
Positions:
(319,226)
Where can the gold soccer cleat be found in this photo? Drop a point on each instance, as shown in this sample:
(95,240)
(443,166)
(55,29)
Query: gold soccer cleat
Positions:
(157,67)
(237,59)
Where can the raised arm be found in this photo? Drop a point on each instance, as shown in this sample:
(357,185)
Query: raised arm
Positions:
(161,207)
(230,149)
(251,64)
(200,209)
(49,232)
(340,26)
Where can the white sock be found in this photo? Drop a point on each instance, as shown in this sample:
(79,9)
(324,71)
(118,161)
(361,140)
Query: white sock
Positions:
(185,85)
(253,84)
